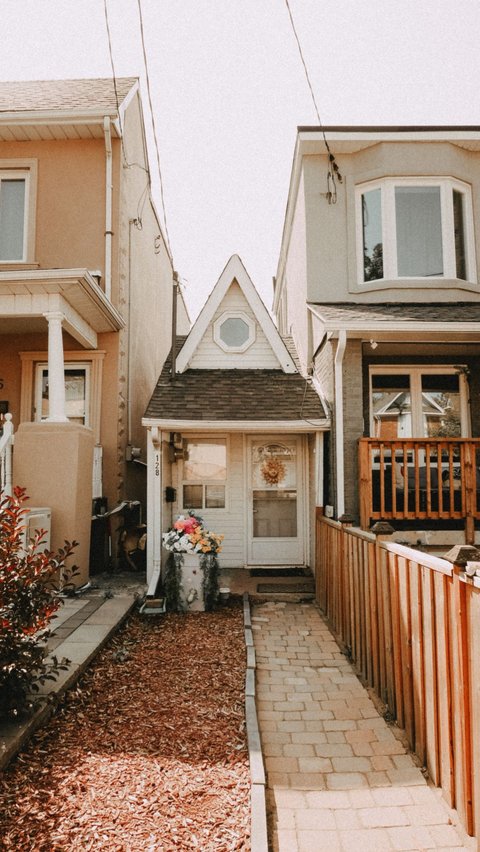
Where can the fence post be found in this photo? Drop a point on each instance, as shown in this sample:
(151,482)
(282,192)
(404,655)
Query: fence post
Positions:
(461,686)
(470,474)
(364,474)
(380,617)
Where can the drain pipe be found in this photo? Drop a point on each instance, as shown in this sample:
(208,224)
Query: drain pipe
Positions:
(340,467)
(108,206)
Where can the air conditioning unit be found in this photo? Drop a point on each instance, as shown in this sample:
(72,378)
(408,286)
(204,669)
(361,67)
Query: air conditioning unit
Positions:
(37,519)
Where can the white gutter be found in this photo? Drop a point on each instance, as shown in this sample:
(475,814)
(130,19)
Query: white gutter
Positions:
(236,425)
(340,470)
(108,206)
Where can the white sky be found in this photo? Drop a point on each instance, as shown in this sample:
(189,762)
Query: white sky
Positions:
(229,90)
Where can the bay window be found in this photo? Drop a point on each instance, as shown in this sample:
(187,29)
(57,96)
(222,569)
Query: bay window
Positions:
(415,228)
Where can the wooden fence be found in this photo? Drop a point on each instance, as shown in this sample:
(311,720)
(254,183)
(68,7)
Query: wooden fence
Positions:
(411,622)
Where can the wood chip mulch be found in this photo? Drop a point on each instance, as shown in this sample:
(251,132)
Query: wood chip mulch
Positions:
(147,753)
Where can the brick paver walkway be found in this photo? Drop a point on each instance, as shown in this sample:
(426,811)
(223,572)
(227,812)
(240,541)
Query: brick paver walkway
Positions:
(338,778)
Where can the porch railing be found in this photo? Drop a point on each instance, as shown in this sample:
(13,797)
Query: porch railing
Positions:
(6,445)
(420,479)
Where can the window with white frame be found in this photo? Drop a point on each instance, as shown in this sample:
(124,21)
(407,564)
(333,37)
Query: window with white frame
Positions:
(415,228)
(418,402)
(205,474)
(77,392)
(13,214)
(234,331)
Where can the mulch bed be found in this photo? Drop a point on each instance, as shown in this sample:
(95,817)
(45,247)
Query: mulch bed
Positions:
(147,753)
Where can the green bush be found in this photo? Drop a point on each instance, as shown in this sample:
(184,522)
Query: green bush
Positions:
(29,584)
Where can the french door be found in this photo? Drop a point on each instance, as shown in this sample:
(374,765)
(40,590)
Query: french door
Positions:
(275,501)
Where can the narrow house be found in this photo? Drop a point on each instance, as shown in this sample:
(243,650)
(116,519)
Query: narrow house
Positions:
(85,298)
(235,433)
(378,286)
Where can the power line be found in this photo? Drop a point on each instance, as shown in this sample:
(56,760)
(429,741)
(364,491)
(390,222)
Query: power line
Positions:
(333,170)
(147,76)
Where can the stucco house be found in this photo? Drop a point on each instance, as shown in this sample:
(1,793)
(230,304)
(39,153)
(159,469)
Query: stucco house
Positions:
(235,433)
(378,285)
(85,295)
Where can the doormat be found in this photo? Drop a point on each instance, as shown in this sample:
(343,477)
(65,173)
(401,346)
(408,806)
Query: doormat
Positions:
(275,571)
(285,588)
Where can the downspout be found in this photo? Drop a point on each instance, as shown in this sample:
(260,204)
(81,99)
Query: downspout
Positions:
(108,206)
(342,342)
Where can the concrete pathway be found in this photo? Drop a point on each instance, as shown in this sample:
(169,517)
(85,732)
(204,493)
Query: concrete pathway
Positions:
(338,778)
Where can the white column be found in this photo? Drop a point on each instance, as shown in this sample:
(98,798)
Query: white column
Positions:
(56,369)
(154,508)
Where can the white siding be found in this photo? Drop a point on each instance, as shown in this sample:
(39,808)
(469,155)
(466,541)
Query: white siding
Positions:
(231,521)
(210,356)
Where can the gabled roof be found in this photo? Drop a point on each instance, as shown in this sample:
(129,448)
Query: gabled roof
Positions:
(235,271)
(71,95)
(63,109)
(234,397)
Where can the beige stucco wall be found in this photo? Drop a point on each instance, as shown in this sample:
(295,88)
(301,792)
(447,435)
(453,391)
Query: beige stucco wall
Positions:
(56,460)
(70,233)
(330,228)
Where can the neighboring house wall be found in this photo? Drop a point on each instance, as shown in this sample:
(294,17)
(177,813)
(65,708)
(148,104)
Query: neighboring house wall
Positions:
(209,355)
(291,313)
(330,228)
(352,421)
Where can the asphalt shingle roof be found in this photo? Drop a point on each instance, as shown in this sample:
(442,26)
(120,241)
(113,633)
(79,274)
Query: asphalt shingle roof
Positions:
(72,95)
(234,395)
(405,312)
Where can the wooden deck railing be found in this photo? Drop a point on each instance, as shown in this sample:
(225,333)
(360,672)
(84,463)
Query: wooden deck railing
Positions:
(415,479)
(411,623)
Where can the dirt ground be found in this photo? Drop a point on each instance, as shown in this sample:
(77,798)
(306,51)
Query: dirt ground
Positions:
(148,753)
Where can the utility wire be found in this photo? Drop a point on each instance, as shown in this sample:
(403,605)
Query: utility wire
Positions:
(333,170)
(145,62)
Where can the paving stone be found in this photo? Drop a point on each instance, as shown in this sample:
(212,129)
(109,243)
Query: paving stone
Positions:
(411,837)
(382,817)
(346,780)
(318,841)
(328,799)
(311,818)
(367,840)
(351,764)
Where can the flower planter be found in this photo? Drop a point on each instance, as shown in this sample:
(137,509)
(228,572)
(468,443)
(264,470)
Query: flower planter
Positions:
(192,583)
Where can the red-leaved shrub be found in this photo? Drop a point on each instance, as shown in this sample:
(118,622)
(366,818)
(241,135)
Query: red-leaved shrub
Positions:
(30,581)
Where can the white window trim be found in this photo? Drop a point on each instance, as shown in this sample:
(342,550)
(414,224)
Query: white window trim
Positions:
(182,481)
(234,315)
(69,365)
(415,372)
(389,232)
(24,168)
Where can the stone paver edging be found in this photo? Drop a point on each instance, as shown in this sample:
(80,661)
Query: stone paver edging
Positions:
(338,779)
(258,819)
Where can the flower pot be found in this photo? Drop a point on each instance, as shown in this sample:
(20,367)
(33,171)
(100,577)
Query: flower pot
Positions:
(192,583)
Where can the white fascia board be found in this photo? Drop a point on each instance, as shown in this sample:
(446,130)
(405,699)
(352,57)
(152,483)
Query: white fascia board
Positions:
(236,425)
(234,270)
(66,278)
(58,116)
(350,141)
(392,327)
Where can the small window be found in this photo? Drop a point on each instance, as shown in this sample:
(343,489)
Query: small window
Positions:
(77,393)
(205,473)
(234,331)
(415,228)
(13,216)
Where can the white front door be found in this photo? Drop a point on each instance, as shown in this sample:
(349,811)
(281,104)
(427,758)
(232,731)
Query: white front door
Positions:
(275,501)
